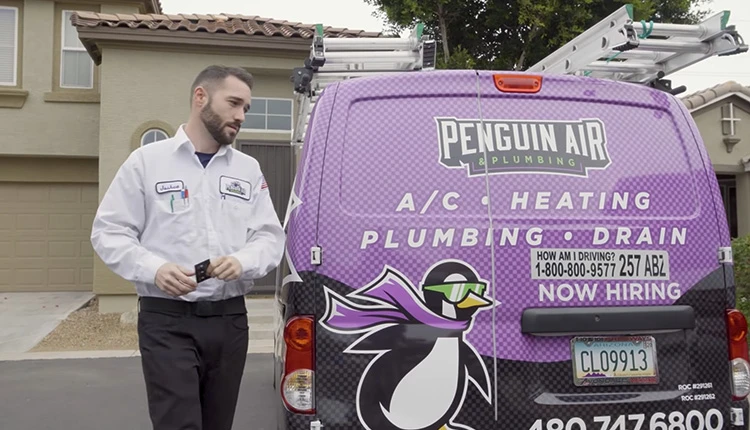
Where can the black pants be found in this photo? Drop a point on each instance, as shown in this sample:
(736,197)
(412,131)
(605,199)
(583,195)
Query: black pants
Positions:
(193,357)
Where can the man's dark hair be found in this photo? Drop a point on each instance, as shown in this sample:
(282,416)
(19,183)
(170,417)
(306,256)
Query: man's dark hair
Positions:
(211,75)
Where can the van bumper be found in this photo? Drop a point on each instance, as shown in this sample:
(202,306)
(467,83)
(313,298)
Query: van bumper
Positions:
(739,418)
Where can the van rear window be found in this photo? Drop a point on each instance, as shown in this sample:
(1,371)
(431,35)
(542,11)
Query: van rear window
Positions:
(547,160)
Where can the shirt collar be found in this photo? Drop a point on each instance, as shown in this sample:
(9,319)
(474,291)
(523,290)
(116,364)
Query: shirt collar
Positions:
(183,142)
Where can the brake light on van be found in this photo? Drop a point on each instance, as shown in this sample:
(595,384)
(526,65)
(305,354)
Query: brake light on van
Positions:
(510,83)
(297,385)
(738,353)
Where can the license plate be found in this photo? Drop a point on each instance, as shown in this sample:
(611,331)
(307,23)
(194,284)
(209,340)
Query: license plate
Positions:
(616,360)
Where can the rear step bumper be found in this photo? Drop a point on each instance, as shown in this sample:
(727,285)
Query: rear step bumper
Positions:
(601,320)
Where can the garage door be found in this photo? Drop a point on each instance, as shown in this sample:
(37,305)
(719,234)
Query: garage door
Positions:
(275,161)
(44,236)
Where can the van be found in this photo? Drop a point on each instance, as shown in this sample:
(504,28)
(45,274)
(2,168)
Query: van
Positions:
(485,250)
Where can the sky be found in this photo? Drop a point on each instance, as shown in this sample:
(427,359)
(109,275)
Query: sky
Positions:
(359,15)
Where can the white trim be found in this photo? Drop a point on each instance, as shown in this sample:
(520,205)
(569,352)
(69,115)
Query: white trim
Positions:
(718,99)
(63,49)
(14,82)
(266,115)
(746,163)
(264,131)
(732,119)
(151,130)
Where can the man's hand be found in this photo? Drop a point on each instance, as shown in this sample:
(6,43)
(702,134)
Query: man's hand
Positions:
(225,268)
(175,280)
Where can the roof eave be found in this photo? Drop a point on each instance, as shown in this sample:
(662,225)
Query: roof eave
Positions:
(91,36)
(712,102)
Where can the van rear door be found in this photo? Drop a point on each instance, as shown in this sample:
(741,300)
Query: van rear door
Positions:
(403,297)
(605,258)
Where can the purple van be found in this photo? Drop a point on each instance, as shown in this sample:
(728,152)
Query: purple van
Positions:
(479,250)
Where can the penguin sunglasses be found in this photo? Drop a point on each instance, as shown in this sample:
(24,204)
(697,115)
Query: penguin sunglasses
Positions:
(457,291)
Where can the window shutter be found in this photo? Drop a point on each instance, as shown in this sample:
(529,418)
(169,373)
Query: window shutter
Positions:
(8,36)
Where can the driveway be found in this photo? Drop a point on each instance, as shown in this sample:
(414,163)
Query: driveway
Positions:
(109,393)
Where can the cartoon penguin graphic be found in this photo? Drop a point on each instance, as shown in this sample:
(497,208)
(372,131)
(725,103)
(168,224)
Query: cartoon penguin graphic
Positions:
(420,375)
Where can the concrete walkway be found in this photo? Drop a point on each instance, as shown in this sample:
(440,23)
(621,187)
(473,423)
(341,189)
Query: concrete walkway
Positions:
(26,318)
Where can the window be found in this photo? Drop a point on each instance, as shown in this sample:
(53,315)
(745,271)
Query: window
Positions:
(728,188)
(8,45)
(729,120)
(76,67)
(269,115)
(153,135)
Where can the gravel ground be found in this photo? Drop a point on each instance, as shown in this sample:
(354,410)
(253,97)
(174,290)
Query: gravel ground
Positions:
(87,330)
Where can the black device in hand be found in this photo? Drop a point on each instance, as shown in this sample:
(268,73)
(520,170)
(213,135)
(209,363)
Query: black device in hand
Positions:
(201,270)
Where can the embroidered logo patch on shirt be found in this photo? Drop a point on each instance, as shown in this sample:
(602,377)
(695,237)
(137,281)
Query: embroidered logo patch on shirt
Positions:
(169,186)
(235,187)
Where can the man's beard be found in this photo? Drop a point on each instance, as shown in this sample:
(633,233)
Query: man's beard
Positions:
(214,125)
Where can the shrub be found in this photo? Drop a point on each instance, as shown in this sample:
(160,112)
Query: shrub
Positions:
(741,256)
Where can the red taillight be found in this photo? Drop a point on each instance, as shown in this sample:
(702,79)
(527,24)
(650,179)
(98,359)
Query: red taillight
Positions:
(737,332)
(297,385)
(509,83)
(738,353)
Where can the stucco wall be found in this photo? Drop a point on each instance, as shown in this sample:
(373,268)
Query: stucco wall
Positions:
(42,127)
(119,8)
(142,87)
(709,123)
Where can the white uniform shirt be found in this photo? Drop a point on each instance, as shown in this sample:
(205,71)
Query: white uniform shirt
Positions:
(164,206)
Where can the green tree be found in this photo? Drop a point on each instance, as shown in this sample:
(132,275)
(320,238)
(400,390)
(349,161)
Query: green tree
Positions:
(438,15)
(513,34)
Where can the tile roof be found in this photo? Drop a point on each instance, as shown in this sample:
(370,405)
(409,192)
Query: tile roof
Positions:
(703,97)
(221,23)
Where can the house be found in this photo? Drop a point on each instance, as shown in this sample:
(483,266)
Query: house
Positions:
(722,114)
(83,84)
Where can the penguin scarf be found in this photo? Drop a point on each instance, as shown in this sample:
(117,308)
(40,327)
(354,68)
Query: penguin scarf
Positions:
(405,307)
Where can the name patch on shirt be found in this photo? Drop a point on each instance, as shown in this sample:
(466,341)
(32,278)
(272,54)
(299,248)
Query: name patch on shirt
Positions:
(169,186)
(234,187)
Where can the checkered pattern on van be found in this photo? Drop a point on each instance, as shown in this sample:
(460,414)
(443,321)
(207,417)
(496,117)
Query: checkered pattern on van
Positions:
(374,181)
(527,391)
(355,203)
(303,217)
(295,422)
(724,234)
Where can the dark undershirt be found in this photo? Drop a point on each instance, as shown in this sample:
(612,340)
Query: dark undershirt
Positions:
(204,158)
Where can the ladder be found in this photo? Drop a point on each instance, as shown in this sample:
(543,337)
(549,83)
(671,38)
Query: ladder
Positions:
(616,48)
(335,59)
(619,49)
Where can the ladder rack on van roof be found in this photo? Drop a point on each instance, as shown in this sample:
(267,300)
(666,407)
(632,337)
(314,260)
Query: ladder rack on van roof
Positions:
(616,48)
(332,60)
(622,50)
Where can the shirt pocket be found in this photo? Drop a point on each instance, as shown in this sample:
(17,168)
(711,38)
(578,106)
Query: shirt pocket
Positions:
(171,204)
(236,215)
(176,218)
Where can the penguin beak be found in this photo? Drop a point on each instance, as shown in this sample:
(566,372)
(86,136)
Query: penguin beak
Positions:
(473,301)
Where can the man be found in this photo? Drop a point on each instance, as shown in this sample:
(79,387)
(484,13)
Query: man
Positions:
(172,205)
